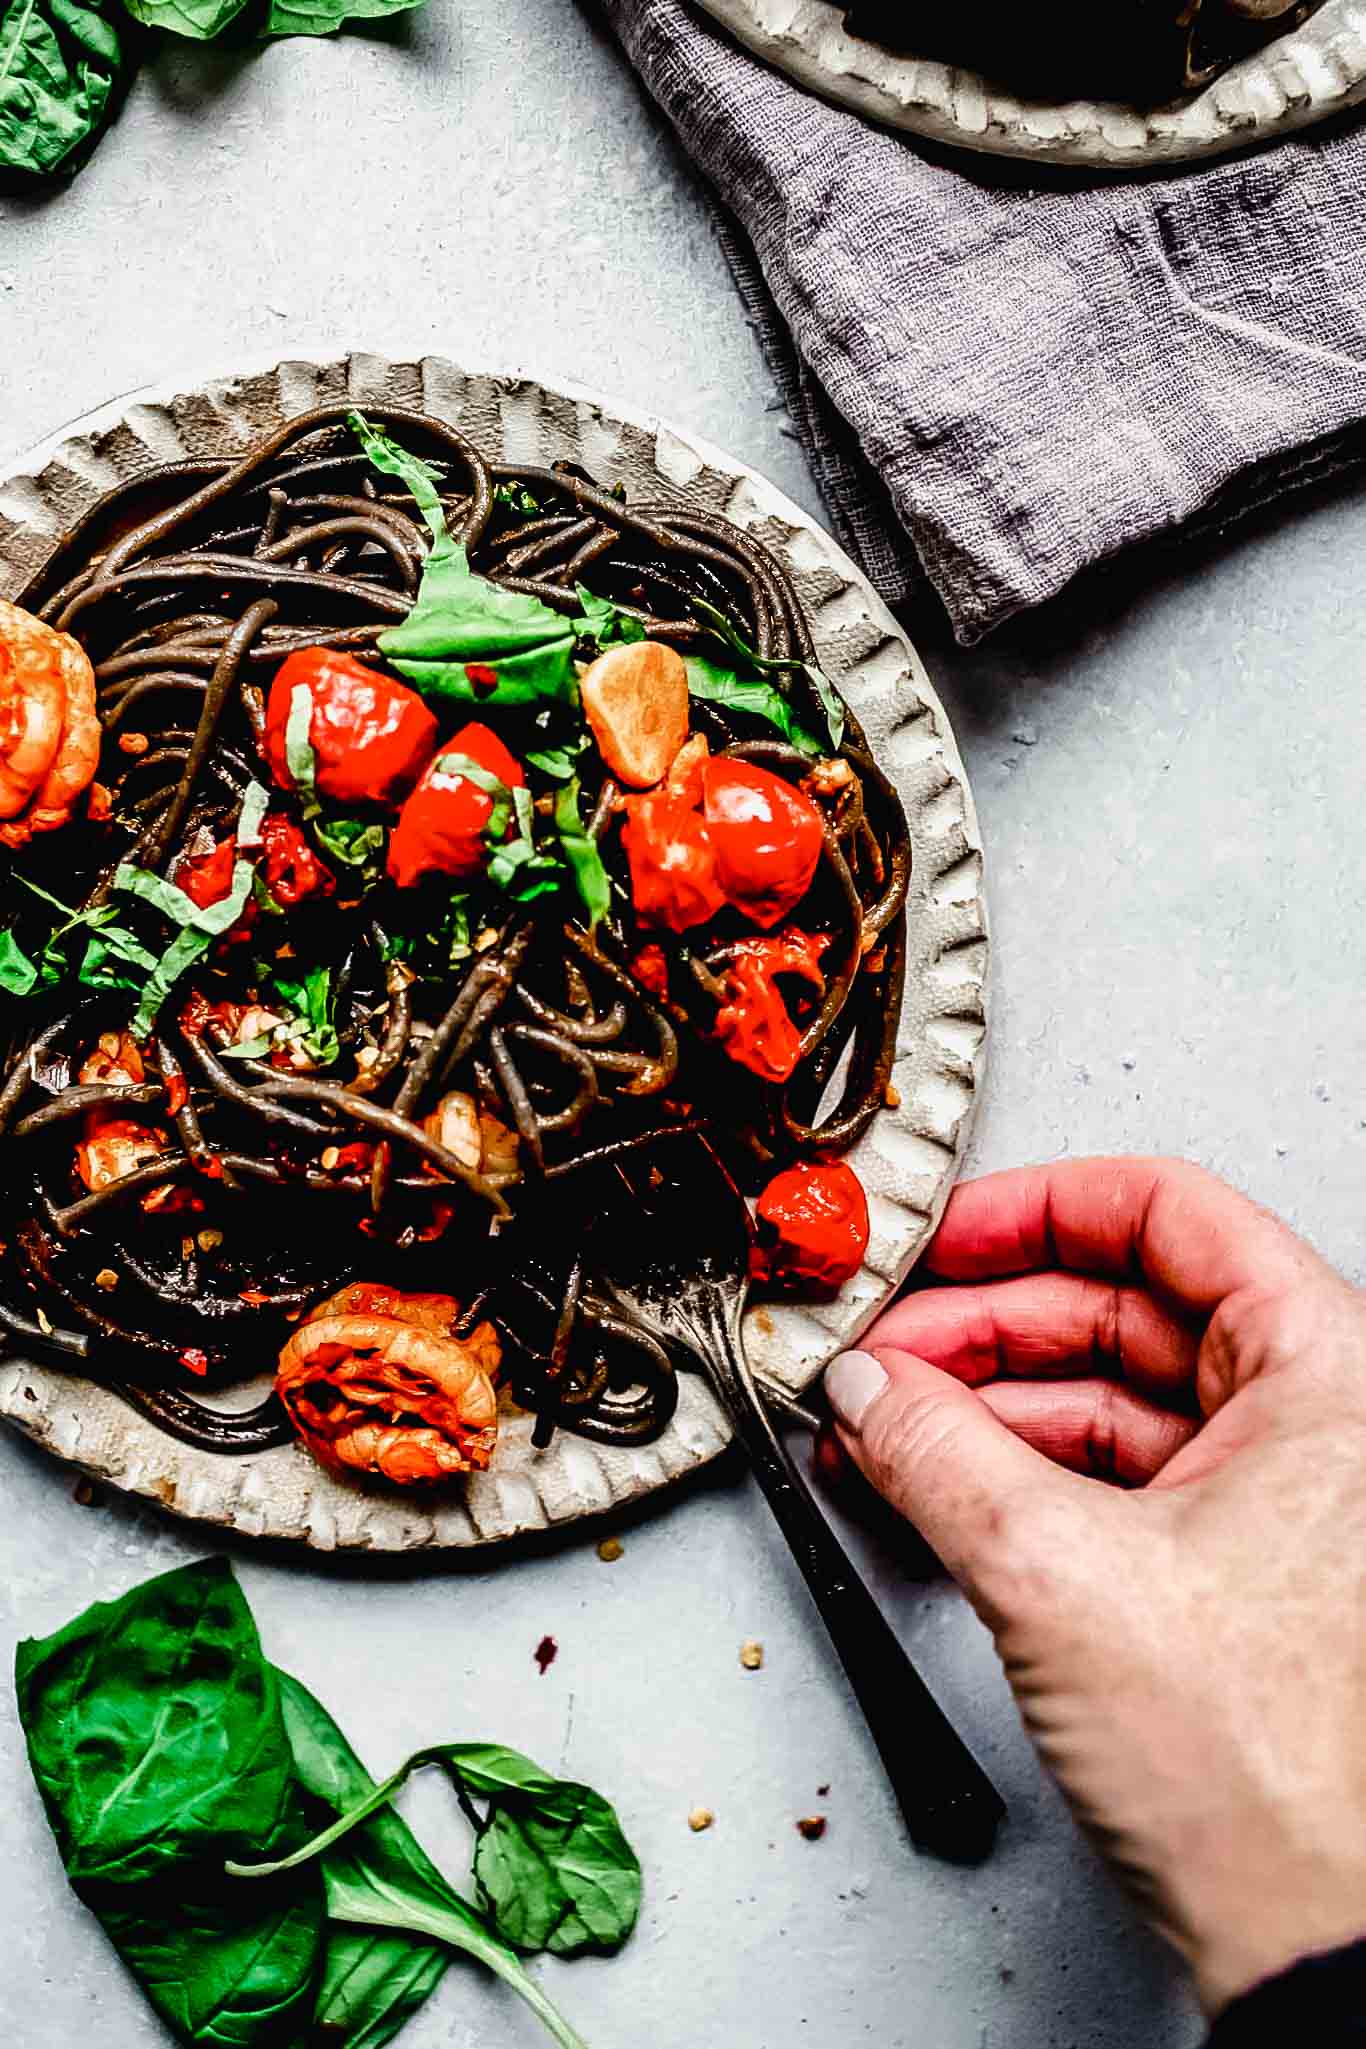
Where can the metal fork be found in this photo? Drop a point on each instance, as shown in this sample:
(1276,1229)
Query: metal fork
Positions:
(679,1267)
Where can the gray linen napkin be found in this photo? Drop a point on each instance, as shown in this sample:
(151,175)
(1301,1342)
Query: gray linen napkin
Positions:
(1003,375)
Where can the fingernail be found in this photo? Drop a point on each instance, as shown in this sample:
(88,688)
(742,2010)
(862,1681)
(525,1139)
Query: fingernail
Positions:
(853,1382)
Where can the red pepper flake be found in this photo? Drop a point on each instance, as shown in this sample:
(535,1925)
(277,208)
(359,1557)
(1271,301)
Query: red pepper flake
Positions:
(255,1298)
(482,680)
(195,1361)
(177,1094)
(545,1653)
(209,1165)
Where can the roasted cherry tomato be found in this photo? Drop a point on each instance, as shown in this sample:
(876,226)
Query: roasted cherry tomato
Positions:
(766,836)
(812,1226)
(371,737)
(207,878)
(441,829)
(293,870)
(754,1024)
(672,862)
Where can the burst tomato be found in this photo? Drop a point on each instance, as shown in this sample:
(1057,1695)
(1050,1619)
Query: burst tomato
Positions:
(371,737)
(766,837)
(442,828)
(754,1024)
(293,870)
(672,862)
(812,1226)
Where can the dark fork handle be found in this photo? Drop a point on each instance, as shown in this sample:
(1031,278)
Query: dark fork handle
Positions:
(949,1804)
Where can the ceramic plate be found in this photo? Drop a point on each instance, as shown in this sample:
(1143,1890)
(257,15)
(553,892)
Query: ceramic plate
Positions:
(907,1161)
(1315,71)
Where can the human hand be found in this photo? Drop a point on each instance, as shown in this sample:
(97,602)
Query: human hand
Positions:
(1188,1650)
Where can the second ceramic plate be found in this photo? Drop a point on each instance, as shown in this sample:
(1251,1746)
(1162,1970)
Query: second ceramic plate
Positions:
(1315,71)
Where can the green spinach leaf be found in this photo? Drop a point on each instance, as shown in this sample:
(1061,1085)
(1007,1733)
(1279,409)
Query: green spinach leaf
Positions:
(60,62)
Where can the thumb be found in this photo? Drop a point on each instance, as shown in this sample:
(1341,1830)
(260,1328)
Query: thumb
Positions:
(940,1456)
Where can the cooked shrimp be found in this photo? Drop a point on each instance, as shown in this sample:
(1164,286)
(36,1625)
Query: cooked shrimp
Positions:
(116,1060)
(376,1381)
(115,1146)
(477,1138)
(47,706)
(32,704)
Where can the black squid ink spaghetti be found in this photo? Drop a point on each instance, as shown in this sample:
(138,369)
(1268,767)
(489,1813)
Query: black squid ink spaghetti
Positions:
(397,843)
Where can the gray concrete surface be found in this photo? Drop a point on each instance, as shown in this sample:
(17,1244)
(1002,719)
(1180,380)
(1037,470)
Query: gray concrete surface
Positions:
(1168,771)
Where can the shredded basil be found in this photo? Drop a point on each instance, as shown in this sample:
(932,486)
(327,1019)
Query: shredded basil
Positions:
(580,850)
(312,1000)
(249,820)
(300,759)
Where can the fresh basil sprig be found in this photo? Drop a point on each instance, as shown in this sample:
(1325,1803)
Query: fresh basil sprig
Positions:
(165,1745)
(554,1870)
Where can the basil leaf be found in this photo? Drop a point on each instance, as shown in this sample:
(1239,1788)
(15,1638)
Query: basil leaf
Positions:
(178,957)
(716,685)
(95,970)
(420,476)
(605,621)
(380,1877)
(511,865)
(209,919)
(372,1980)
(829,697)
(324,18)
(59,64)
(312,1000)
(461,621)
(116,940)
(199,20)
(156,1738)
(248,1049)
(581,852)
(556,762)
(300,759)
(138,1701)
(18,974)
(353,844)
(557,1864)
(255,804)
(516,499)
